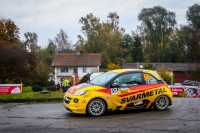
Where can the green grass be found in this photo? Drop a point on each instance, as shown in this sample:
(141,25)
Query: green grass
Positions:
(27,93)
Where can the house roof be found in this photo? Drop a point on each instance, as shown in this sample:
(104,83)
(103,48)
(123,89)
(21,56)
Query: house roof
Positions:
(75,60)
(171,66)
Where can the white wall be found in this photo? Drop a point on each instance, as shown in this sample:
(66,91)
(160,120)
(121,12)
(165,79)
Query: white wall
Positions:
(59,75)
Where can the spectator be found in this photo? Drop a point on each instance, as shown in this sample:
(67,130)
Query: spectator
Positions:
(58,86)
(66,84)
(63,84)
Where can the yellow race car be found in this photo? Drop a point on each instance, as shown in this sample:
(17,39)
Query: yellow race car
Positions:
(119,90)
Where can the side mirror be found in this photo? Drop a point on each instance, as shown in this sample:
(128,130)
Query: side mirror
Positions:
(114,85)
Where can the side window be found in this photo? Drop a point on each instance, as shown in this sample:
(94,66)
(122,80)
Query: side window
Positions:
(149,79)
(84,69)
(129,79)
(63,69)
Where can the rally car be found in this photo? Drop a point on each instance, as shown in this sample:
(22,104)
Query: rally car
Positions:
(119,90)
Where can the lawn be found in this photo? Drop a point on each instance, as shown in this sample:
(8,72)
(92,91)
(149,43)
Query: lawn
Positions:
(27,93)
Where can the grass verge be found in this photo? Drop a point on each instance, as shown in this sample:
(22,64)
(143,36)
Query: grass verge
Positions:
(28,95)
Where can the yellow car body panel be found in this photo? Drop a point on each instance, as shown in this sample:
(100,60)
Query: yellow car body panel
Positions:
(119,98)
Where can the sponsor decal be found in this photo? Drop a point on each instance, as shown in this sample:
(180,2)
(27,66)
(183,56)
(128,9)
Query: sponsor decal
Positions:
(138,103)
(143,95)
(115,90)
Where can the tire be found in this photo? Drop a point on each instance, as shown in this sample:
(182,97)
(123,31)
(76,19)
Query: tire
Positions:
(161,102)
(96,107)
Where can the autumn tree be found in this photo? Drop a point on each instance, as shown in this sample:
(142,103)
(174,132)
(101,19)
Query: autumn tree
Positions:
(16,67)
(9,32)
(157,26)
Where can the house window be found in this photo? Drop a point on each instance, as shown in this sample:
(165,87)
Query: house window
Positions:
(84,69)
(64,69)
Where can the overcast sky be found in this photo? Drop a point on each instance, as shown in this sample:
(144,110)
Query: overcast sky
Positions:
(47,17)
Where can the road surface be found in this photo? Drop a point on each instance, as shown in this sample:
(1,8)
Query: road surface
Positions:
(182,116)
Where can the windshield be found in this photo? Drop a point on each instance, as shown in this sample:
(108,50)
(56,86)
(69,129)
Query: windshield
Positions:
(103,78)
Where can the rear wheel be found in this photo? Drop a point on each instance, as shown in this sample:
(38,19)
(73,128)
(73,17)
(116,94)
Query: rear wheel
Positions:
(96,107)
(161,102)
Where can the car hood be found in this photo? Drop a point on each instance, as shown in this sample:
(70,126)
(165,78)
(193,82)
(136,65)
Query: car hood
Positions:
(83,86)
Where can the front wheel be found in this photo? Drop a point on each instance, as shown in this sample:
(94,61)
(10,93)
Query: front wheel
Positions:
(96,107)
(161,102)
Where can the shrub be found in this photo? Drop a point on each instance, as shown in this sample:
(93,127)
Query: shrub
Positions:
(85,78)
(166,75)
(51,88)
(113,66)
(182,94)
(37,88)
(50,83)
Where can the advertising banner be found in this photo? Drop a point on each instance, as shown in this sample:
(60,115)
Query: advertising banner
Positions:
(10,88)
(186,91)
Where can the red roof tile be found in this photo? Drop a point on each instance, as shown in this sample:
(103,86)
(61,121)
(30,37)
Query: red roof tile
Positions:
(72,59)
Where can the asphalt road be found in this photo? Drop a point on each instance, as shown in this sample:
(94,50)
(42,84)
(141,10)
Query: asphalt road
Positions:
(182,116)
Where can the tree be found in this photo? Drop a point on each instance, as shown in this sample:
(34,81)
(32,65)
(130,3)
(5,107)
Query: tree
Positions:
(31,41)
(79,46)
(9,32)
(193,16)
(157,26)
(19,66)
(137,53)
(193,30)
(62,42)
(102,37)
(127,46)
(46,55)
(42,74)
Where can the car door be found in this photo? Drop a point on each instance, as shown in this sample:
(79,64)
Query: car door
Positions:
(122,87)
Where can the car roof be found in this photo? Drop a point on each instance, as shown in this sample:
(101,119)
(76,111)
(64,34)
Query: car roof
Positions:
(152,72)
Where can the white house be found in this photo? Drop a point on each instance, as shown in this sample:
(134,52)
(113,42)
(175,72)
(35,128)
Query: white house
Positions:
(66,64)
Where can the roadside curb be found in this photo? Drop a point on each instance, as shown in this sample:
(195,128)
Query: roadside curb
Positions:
(32,100)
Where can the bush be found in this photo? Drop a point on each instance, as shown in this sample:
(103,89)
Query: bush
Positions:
(182,94)
(51,88)
(85,78)
(166,75)
(50,83)
(37,88)
(113,66)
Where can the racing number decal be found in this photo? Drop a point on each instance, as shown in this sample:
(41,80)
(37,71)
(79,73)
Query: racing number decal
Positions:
(114,90)
(146,77)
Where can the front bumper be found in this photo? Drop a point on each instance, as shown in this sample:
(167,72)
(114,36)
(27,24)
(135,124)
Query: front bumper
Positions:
(72,105)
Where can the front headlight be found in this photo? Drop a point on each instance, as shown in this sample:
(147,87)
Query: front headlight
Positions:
(80,93)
